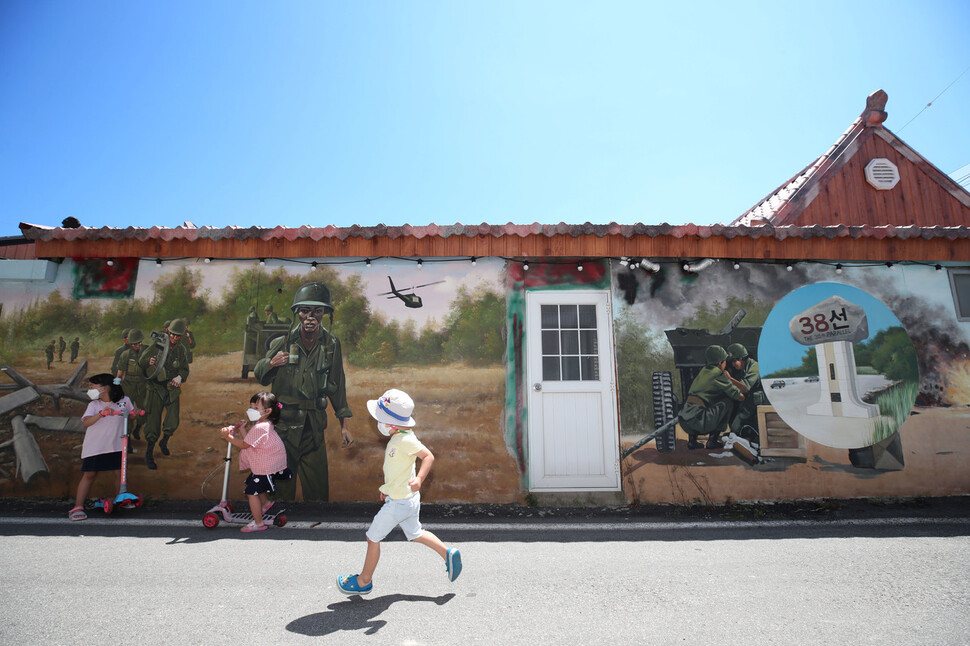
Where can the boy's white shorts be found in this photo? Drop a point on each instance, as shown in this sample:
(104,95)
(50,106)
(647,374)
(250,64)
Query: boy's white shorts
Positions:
(403,512)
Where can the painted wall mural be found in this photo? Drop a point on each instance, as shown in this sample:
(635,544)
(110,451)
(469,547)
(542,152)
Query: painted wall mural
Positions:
(766,383)
(193,341)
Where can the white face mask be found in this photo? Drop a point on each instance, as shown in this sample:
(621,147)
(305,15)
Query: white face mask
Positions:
(385,429)
(253,414)
(94,393)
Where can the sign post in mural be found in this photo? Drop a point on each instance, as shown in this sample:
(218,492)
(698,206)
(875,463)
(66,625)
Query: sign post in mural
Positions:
(834,326)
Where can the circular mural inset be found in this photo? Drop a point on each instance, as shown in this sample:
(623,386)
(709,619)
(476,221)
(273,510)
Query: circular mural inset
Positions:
(838,366)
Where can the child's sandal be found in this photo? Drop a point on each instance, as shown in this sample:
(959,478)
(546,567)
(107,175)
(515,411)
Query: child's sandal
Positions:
(77,514)
(253,527)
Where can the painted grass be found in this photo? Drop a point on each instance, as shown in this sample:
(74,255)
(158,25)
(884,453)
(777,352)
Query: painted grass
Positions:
(894,409)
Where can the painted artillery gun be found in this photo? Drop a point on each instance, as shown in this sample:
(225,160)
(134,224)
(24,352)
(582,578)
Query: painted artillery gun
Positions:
(688,346)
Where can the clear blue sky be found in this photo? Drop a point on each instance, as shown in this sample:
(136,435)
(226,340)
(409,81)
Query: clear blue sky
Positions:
(265,113)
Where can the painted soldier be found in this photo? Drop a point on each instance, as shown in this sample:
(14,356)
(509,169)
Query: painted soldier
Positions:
(746,375)
(117,367)
(166,367)
(252,317)
(305,369)
(133,377)
(710,401)
(271,317)
(188,340)
(61,347)
(49,353)
(75,348)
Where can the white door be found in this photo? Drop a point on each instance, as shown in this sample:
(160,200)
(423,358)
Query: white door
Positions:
(573,437)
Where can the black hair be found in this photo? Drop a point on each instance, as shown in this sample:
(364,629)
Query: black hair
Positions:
(115,392)
(268,400)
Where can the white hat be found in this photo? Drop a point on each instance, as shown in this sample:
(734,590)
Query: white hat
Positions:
(394,408)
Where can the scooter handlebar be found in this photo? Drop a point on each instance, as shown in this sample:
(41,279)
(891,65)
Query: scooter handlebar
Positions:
(110,411)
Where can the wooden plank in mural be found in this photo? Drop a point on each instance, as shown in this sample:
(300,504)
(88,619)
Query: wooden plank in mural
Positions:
(778,439)
(30,461)
(17,399)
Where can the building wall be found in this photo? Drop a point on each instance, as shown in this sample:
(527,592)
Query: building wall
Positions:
(447,354)
(912,376)
(460,357)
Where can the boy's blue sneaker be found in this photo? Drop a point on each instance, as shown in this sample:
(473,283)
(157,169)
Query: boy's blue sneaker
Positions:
(348,585)
(453,563)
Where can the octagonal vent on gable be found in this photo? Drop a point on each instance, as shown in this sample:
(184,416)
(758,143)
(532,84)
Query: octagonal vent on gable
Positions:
(882,174)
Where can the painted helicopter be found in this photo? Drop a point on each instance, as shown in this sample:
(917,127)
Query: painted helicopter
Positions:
(407,294)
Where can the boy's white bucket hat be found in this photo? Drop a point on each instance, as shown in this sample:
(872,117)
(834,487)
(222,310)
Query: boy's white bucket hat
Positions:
(394,408)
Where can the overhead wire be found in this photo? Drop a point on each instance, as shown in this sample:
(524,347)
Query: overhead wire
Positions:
(935,98)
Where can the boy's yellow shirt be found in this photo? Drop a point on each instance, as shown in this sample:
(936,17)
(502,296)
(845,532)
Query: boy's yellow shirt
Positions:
(399,458)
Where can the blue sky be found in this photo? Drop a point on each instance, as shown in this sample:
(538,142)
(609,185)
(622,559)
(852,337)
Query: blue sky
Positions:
(292,113)
(777,349)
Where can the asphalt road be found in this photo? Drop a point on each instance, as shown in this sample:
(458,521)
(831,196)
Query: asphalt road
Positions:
(895,576)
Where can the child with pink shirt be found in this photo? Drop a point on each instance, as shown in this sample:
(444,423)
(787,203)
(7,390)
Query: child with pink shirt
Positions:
(263,453)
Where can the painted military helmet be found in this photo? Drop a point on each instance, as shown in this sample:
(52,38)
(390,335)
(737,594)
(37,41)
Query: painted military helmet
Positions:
(135,336)
(736,351)
(312,295)
(714,354)
(177,326)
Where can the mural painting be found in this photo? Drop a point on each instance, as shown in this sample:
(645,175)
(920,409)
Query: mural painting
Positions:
(199,339)
(744,381)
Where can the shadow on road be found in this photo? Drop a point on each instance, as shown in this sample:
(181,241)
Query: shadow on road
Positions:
(355,614)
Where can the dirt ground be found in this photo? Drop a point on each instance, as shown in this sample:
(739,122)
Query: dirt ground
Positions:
(459,411)
(935,443)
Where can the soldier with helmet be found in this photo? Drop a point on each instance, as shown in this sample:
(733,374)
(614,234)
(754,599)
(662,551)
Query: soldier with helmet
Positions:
(166,367)
(133,377)
(746,375)
(305,369)
(117,366)
(271,317)
(710,401)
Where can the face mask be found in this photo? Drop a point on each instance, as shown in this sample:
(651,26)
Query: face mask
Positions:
(385,429)
(252,414)
(94,393)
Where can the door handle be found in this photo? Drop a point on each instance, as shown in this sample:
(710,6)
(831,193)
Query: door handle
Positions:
(537,386)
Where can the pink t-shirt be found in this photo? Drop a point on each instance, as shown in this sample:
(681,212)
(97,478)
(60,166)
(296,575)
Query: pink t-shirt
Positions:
(267,454)
(104,436)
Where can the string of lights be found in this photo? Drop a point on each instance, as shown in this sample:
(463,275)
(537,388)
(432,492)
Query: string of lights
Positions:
(690,265)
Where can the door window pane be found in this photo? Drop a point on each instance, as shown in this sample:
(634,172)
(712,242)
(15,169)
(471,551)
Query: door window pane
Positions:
(570,346)
(570,342)
(568,316)
(550,317)
(550,369)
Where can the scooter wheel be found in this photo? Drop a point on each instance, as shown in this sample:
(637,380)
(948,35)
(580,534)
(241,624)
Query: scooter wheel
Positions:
(210,520)
(280,520)
(108,505)
(138,502)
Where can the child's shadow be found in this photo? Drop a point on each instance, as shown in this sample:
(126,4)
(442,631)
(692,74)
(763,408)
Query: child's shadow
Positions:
(354,614)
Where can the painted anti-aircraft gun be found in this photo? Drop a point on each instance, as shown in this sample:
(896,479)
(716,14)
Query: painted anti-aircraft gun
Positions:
(689,346)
